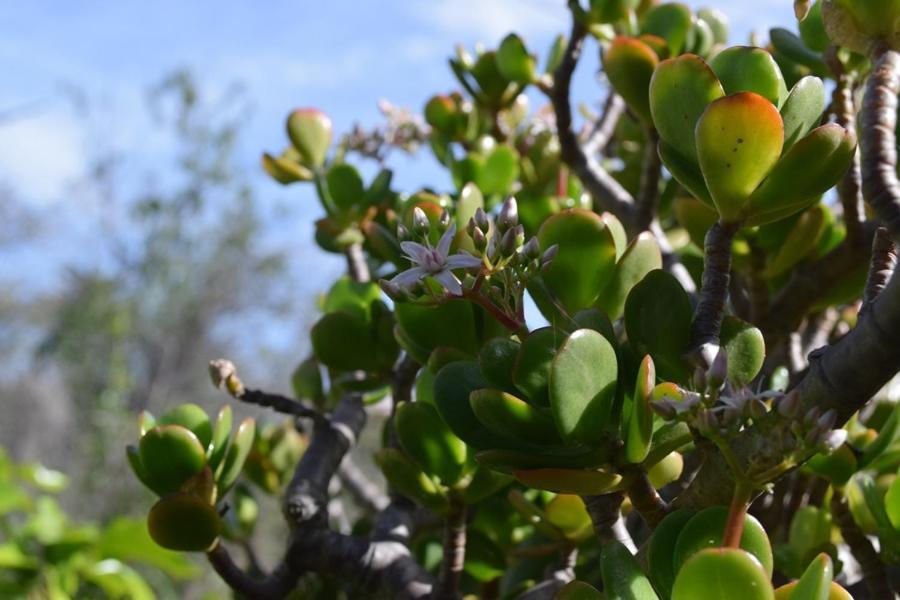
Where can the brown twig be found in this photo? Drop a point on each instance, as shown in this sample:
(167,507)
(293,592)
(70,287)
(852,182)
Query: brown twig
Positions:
(606,517)
(365,492)
(849,188)
(710,309)
(608,193)
(878,142)
(647,199)
(357,267)
(277,585)
(454,555)
(645,499)
(603,130)
(881,267)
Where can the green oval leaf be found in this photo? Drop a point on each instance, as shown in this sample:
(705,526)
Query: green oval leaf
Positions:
(531,372)
(309,130)
(629,64)
(803,109)
(739,140)
(640,422)
(670,21)
(408,478)
(658,317)
(640,257)
(680,90)
(508,416)
(345,185)
(706,529)
(452,387)
(749,69)
(569,481)
(583,387)
(722,574)
(745,348)
(811,167)
(171,455)
(184,522)
(513,60)
(191,417)
(662,544)
(240,447)
(586,259)
(429,441)
(623,578)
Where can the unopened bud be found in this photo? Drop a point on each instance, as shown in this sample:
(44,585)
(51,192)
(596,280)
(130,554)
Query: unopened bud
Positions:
(718,371)
(664,409)
(223,374)
(421,226)
(532,249)
(789,406)
(812,416)
(731,416)
(482,220)
(813,435)
(479,240)
(699,378)
(509,215)
(471,227)
(508,243)
(706,423)
(827,420)
(548,256)
(444,221)
(756,409)
(402,232)
(520,235)
(829,441)
(392,290)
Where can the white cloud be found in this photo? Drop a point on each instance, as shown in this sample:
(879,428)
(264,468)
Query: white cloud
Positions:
(40,155)
(489,20)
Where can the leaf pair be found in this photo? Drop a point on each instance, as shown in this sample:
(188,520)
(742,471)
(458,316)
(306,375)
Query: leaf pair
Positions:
(593,266)
(357,331)
(734,137)
(190,463)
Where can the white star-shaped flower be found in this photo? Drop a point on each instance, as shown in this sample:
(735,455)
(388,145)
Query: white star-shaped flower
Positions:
(435,262)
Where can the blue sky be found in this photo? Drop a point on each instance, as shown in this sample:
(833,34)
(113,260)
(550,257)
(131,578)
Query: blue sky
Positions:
(342,56)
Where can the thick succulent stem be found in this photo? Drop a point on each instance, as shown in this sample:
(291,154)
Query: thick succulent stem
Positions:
(651,170)
(454,546)
(645,499)
(873,570)
(849,188)
(607,518)
(277,585)
(357,267)
(881,267)
(710,309)
(608,193)
(605,127)
(878,143)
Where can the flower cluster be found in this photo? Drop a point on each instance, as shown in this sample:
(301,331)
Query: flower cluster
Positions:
(718,412)
(497,270)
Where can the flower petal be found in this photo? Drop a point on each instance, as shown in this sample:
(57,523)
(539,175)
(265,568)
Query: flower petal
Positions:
(463,261)
(415,251)
(449,281)
(409,277)
(443,246)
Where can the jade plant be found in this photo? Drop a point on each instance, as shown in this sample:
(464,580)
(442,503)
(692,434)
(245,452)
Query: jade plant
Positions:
(650,356)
